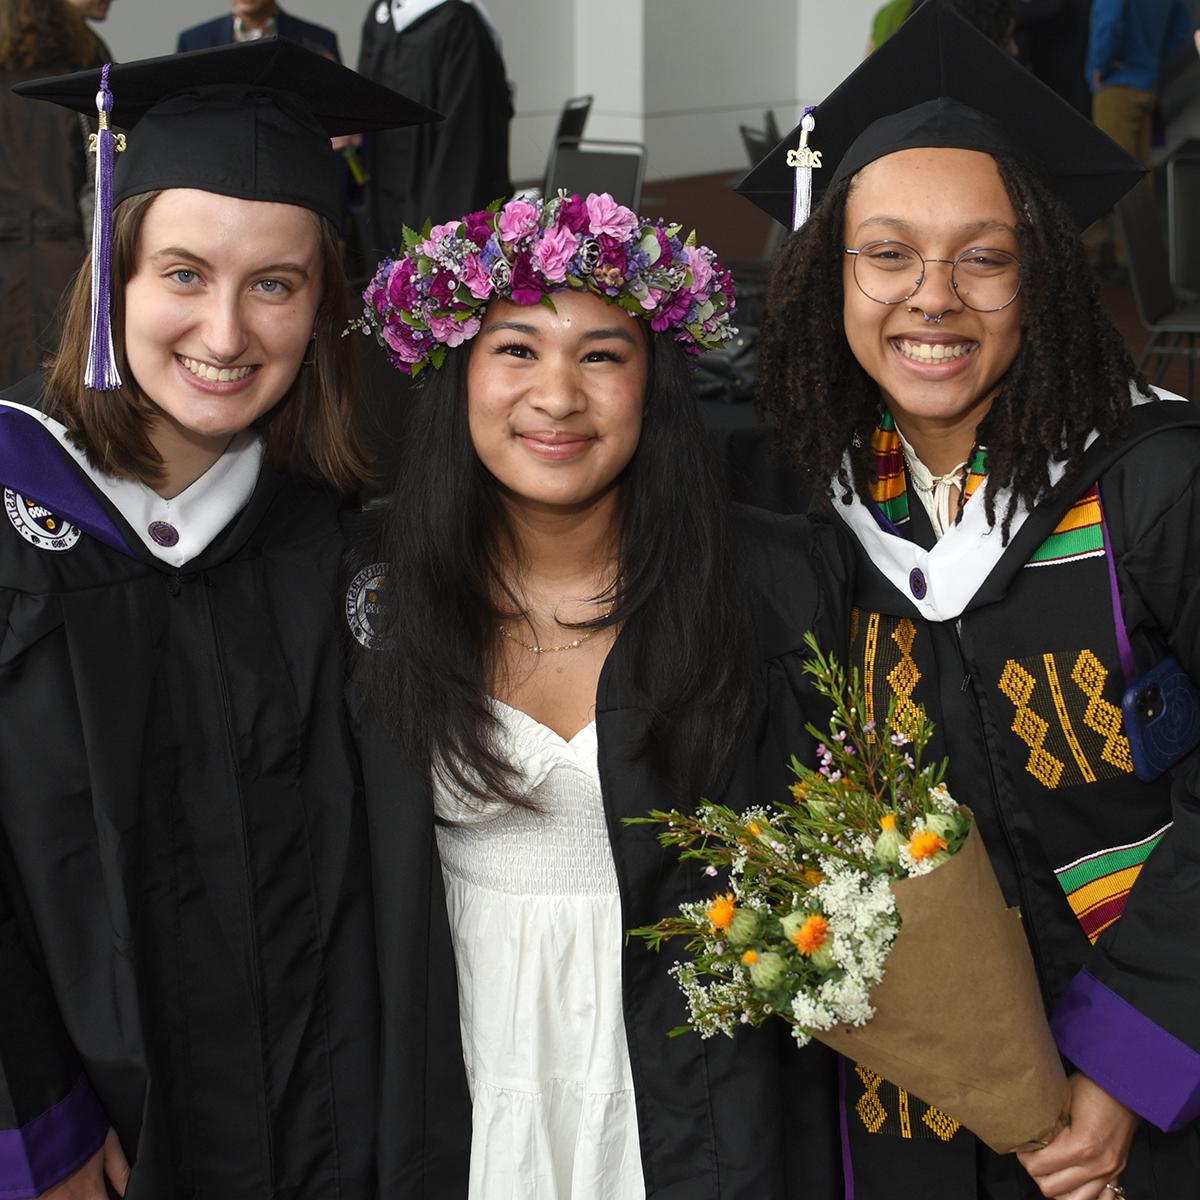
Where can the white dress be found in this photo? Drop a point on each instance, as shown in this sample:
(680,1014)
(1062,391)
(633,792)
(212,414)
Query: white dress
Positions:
(536,922)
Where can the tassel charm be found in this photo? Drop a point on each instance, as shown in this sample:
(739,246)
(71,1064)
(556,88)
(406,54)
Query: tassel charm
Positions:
(804,160)
(102,374)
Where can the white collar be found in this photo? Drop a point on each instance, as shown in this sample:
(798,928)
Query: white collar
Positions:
(403,13)
(196,515)
(952,572)
(938,493)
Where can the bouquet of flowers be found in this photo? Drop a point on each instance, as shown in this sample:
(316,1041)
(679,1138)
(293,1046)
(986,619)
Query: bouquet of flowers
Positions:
(865,913)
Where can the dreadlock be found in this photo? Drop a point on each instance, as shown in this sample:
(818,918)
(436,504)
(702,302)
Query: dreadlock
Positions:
(1070,375)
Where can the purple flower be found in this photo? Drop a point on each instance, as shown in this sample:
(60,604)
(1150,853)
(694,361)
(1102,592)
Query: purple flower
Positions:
(475,276)
(673,312)
(400,338)
(401,292)
(574,214)
(605,215)
(553,251)
(479,226)
(525,288)
(665,253)
(612,252)
(442,287)
(517,218)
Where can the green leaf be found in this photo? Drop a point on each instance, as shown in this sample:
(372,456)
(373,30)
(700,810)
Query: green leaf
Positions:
(411,238)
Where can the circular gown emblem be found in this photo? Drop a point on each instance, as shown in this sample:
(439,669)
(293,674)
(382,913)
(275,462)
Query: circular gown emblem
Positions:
(38,525)
(364,605)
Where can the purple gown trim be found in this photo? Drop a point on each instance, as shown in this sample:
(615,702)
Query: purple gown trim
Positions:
(1148,1069)
(34,465)
(844,1127)
(55,1143)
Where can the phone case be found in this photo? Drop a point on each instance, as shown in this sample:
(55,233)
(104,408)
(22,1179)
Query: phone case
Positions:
(1162,719)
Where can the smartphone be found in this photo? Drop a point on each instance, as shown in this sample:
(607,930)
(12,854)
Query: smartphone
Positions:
(1162,719)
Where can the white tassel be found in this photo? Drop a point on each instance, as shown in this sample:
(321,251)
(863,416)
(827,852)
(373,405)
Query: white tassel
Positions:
(804,160)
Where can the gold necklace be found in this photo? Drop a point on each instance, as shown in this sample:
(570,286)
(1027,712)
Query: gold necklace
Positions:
(536,649)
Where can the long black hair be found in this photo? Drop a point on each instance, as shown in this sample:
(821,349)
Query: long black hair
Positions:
(684,631)
(1071,374)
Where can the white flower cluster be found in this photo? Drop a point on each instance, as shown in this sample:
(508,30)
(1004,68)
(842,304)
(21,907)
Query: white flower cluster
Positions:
(914,866)
(942,801)
(712,1007)
(863,923)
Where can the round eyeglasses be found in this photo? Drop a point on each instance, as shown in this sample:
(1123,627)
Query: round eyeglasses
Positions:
(984,279)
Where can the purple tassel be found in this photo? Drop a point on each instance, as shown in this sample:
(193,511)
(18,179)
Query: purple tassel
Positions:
(102,374)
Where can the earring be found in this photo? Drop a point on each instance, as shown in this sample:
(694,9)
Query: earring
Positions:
(312,351)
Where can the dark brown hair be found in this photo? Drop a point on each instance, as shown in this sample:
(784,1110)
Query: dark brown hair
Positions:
(310,432)
(1071,375)
(45,34)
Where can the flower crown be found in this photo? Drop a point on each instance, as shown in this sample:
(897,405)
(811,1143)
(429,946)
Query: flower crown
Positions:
(431,296)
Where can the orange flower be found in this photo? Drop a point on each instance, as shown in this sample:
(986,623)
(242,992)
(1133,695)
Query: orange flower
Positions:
(755,828)
(887,821)
(813,876)
(800,789)
(750,957)
(812,935)
(925,844)
(720,911)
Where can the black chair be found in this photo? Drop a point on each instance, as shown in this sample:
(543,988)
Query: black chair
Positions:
(771,128)
(1183,217)
(1169,323)
(592,165)
(756,142)
(572,119)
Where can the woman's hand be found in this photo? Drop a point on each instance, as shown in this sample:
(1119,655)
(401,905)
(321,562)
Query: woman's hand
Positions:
(88,1182)
(1090,1152)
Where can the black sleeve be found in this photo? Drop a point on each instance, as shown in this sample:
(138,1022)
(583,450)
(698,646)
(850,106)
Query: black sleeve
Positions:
(1131,1019)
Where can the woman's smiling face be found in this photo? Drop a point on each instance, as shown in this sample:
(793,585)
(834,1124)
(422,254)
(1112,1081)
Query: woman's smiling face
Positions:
(219,310)
(555,396)
(942,202)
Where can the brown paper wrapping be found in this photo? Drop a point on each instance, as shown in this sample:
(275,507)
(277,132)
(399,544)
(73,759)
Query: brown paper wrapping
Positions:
(958,1018)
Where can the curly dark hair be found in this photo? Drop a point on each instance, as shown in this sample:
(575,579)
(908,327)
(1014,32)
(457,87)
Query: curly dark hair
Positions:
(43,34)
(1070,376)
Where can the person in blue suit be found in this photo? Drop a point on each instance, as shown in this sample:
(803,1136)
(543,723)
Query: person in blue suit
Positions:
(250,19)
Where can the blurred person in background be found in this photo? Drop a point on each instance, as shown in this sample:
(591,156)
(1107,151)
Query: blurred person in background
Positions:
(993,18)
(44,178)
(249,20)
(445,54)
(1052,40)
(1127,44)
(95,10)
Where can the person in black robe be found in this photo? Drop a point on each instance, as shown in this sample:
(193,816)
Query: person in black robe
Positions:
(1024,509)
(446,55)
(563,626)
(186,1002)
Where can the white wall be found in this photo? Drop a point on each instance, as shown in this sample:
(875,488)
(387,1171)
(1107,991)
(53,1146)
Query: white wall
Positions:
(679,75)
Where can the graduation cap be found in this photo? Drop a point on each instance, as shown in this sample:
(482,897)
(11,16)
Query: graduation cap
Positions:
(938,81)
(251,120)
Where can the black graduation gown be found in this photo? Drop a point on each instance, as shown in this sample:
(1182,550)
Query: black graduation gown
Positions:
(185,915)
(750,1116)
(1024,688)
(449,61)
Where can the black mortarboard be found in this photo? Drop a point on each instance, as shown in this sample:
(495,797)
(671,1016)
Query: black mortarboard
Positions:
(251,121)
(938,81)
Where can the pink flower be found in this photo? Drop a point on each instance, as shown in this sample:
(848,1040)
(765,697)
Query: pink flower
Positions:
(525,287)
(517,217)
(451,332)
(553,251)
(479,226)
(478,281)
(650,300)
(574,214)
(605,215)
(701,269)
(399,338)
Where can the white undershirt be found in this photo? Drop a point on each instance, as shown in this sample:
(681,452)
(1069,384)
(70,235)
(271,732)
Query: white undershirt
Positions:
(938,493)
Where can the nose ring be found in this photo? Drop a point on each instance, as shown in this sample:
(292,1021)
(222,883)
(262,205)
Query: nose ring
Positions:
(927,318)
